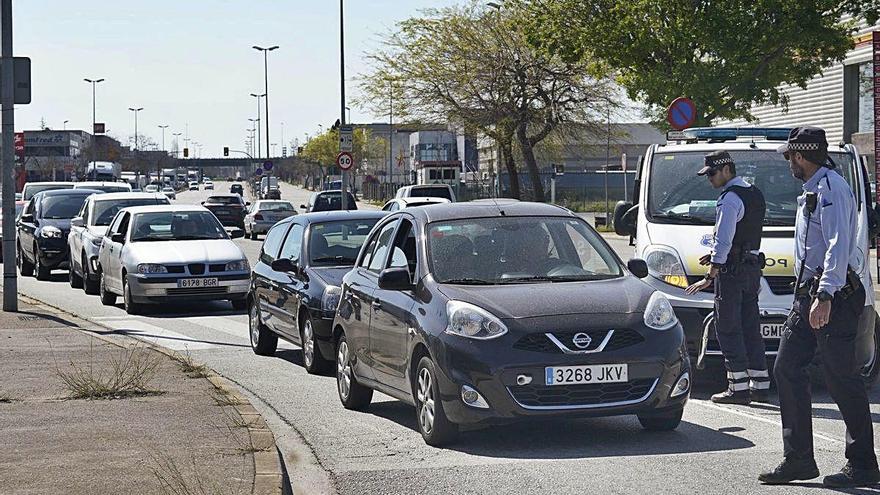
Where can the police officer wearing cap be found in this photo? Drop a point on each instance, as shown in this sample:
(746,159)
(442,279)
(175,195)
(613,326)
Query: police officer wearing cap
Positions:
(828,301)
(735,267)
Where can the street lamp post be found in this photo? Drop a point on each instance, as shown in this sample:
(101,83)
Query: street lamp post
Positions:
(177,143)
(163,127)
(94,83)
(344,198)
(257,125)
(266,89)
(136,154)
(65,124)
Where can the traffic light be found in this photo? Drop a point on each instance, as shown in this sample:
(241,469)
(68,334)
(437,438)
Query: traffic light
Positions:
(186,152)
(226,151)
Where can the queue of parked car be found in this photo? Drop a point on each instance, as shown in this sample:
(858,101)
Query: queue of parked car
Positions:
(473,313)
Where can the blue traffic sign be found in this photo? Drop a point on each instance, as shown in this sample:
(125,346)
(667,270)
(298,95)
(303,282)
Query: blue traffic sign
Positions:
(267,165)
(258,171)
(681,114)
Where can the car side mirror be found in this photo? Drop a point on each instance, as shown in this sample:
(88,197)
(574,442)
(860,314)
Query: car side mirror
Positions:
(247,203)
(395,279)
(237,233)
(118,237)
(638,267)
(283,265)
(77,222)
(203,202)
(625,218)
(27,218)
(303,207)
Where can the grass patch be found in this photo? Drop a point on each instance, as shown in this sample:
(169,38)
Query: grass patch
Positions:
(129,374)
(173,481)
(222,398)
(190,367)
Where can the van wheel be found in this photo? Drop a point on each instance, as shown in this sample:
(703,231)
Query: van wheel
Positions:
(352,394)
(661,422)
(107,298)
(25,266)
(263,341)
(434,426)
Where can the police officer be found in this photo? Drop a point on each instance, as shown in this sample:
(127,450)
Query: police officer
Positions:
(828,301)
(736,264)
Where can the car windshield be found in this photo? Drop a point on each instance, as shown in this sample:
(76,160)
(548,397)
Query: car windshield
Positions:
(430,192)
(108,189)
(151,188)
(333,201)
(176,226)
(224,200)
(275,206)
(678,195)
(507,250)
(104,211)
(338,243)
(62,206)
(167,189)
(32,189)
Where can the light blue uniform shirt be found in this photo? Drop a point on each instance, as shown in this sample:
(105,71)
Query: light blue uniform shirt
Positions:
(728,211)
(831,244)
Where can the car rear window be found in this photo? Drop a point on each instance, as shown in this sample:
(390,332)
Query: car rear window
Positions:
(224,200)
(333,201)
(431,192)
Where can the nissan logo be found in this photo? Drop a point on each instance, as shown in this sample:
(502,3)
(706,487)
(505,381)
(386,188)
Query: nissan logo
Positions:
(581,340)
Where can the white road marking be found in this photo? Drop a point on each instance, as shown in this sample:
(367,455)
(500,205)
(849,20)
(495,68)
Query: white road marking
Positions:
(157,335)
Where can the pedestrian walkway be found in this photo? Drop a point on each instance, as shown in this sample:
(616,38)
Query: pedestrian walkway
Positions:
(81,414)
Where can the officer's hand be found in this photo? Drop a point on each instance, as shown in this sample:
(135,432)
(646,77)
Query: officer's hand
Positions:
(706,260)
(698,286)
(820,312)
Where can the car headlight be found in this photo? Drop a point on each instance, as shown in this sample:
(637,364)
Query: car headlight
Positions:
(474,322)
(330,298)
(659,314)
(145,268)
(50,232)
(96,241)
(664,264)
(238,266)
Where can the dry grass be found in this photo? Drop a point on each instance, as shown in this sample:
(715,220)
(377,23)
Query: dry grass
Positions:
(190,367)
(173,481)
(129,374)
(5,398)
(223,398)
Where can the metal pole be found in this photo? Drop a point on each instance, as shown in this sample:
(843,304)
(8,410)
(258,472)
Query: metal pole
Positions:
(266,94)
(344,199)
(390,135)
(607,158)
(7,82)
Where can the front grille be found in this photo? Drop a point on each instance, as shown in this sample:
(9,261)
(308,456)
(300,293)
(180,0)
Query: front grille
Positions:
(174,268)
(538,342)
(196,268)
(196,291)
(781,286)
(595,394)
(219,267)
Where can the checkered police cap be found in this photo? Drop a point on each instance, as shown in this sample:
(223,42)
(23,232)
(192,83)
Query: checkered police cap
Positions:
(715,160)
(805,139)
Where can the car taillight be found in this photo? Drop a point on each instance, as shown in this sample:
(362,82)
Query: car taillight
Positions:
(258,217)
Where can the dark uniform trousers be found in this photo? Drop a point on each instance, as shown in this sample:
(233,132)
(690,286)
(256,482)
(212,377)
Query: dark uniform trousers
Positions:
(737,325)
(836,344)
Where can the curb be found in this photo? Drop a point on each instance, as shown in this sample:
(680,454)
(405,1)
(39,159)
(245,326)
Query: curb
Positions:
(268,470)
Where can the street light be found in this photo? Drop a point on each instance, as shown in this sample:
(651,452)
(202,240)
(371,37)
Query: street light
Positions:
(94,83)
(65,124)
(348,109)
(163,127)
(266,90)
(257,96)
(177,143)
(136,111)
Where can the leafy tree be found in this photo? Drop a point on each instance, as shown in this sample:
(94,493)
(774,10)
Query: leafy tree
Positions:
(727,56)
(474,67)
(322,149)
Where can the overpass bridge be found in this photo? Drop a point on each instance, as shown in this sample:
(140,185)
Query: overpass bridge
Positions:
(220,167)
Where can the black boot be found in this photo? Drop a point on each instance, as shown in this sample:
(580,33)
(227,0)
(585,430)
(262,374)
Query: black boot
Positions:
(790,470)
(760,395)
(730,397)
(850,476)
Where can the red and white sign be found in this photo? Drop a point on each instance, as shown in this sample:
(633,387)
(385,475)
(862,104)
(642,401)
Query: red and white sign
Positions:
(19,145)
(344,160)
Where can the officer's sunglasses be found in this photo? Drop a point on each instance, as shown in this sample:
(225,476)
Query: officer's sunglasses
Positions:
(711,172)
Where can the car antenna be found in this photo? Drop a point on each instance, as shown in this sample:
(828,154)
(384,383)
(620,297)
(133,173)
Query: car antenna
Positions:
(500,211)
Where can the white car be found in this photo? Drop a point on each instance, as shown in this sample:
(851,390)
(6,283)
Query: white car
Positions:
(107,187)
(169,191)
(263,214)
(193,185)
(87,231)
(151,188)
(209,185)
(427,191)
(173,253)
(401,203)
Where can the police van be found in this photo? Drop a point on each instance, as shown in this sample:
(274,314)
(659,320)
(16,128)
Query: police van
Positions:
(671,222)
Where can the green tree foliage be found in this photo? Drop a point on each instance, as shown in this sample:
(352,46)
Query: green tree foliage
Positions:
(473,66)
(321,150)
(727,56)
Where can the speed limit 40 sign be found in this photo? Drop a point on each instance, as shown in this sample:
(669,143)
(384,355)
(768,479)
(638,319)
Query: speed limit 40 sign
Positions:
(344,160)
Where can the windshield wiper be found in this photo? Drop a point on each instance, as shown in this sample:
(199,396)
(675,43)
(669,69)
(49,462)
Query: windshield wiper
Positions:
(581,278)
(340,259)
(535,278)
(469,281)
(681,218)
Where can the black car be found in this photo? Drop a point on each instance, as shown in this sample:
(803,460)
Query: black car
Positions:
(329,201)
(295,284)
(491,312)
(236,189)
(230,209)
(42,230)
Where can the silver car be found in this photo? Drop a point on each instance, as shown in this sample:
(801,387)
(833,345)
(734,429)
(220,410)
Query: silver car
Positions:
(263,214)
(169,192)
(87,231)
(174,253)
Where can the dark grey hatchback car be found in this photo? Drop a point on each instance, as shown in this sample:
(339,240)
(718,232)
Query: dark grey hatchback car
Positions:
(496,311)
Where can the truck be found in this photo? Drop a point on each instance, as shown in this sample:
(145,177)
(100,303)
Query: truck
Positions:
(671,218)
(169,176)
(136,179)
(103,171)
(194,175)
(269,187)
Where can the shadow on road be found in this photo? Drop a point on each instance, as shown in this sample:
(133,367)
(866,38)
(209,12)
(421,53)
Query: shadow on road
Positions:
(143,335)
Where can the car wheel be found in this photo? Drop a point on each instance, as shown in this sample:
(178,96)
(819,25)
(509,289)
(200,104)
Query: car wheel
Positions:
(89,286)
(107,298)
(131,307)
(870,373)
(43,273)
(73,278)
(661,422)
(263,341)
(434,426)
(313,360)
(238,304)
(352,394)
(25,266)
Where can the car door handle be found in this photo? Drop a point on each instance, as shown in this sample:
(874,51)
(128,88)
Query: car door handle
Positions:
(376,305)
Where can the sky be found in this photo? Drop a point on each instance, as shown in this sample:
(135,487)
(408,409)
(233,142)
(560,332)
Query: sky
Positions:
(190,65)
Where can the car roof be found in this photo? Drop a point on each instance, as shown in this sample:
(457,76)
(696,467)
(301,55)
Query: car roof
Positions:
(487,208)
(86,184)
(68,192)
(337,215)
(260,201)
(332,191)
(48,183)
(128,195)
(416,199)
(165,208)
(224,195)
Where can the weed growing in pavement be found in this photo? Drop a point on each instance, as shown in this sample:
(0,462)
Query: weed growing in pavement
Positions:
(224,398)
(190,367)
(173,481)
(6,398)
(129,374)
